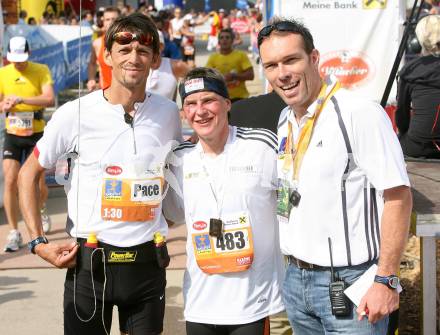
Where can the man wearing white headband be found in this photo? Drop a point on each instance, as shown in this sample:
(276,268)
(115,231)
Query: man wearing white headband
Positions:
(234,266)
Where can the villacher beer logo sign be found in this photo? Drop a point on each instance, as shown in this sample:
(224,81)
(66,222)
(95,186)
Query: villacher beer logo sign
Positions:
(352,68)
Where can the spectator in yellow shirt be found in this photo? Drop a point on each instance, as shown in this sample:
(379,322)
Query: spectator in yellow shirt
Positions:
(26,88)
(233,64)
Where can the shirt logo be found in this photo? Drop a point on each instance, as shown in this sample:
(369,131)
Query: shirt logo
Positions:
(282,146)
(113,170)
(113,189)
(199,225)
(122,256)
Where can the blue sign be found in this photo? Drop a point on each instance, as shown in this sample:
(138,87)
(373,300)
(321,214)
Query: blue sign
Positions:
(173,3)
(242,4)
(77,57)
(53,57)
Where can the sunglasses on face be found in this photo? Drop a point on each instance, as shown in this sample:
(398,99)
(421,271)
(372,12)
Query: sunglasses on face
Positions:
(279,26)
(126,37)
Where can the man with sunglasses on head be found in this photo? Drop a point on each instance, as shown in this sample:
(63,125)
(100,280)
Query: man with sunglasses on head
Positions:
(234,266)
(115,141)
(343,187)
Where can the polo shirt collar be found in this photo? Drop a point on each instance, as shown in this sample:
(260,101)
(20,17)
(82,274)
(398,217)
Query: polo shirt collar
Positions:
(310,112)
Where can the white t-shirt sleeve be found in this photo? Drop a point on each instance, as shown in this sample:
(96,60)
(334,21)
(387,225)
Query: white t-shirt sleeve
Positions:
(59,136)
(172,204)
(376,148)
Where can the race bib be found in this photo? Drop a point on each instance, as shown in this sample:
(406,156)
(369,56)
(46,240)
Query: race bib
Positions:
(232,252)
(130,197)
(21,123)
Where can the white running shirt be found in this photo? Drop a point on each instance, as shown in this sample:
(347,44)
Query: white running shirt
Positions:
(319,215)
(109,147)
(246,171)
(162,80)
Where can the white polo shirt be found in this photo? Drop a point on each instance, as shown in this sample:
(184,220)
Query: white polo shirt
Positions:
(243,178)
(319,215)
(109,151)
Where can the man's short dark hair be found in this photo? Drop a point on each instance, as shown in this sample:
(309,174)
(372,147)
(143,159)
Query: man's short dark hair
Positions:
(227,31)
(136,23)
(282,26)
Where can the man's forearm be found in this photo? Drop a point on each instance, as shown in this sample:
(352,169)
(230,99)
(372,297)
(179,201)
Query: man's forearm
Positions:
(394,228)
(245,75)
(41,100)
(29,196)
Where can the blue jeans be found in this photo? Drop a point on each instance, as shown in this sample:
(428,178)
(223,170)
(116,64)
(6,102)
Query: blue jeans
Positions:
(307,302)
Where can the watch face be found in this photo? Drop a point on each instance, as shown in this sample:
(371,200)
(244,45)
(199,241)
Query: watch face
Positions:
(393,281)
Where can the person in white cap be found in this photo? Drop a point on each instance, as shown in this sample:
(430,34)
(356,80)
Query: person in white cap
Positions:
(163,80)
(26,88)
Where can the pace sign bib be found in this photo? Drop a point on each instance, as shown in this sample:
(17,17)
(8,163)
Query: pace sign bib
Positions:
(131,196)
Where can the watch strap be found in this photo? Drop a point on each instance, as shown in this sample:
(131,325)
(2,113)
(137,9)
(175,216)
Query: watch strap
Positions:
(387,280)
(32,244)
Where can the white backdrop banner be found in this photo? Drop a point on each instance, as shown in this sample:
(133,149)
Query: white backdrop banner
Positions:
(358,39)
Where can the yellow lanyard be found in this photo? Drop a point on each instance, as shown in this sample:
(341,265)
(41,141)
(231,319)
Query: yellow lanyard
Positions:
(295,159)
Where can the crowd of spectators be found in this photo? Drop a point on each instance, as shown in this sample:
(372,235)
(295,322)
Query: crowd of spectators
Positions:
(176,24)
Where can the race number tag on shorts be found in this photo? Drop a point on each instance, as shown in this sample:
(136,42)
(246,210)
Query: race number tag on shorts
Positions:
(21,123)
(232,252)
(130,197)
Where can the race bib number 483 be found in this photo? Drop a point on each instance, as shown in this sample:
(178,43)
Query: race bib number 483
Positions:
(232,252)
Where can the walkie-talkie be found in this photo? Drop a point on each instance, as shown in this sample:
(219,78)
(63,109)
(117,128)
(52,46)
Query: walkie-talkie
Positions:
(341,306)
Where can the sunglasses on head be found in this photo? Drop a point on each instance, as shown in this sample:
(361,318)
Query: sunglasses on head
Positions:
(278,26)
(126,37)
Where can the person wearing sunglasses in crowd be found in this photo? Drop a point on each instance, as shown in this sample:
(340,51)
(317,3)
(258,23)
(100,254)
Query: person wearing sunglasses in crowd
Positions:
(234,265)
(342,183)
(116,141)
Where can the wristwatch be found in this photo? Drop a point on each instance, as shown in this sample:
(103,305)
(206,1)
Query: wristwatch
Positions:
(32,244)
(391,281)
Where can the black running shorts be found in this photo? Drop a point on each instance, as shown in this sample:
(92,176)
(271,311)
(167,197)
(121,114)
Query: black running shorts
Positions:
(260,327)
(19,147)
(138,289)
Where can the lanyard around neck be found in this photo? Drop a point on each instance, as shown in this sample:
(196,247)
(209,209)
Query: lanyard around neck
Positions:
(218,198)
(294,158)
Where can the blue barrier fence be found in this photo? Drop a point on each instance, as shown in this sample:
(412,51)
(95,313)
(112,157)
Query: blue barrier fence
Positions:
(64,59)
